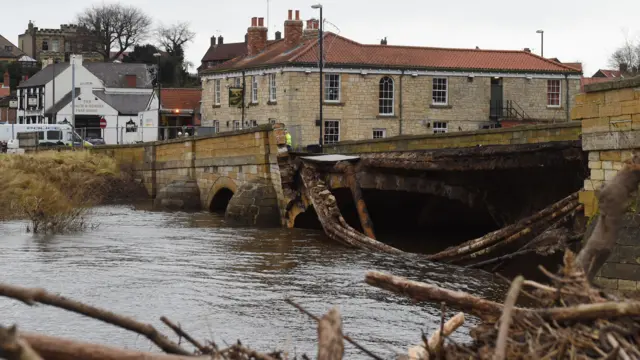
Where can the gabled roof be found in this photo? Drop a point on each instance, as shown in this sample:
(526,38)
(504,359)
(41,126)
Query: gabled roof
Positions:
(126,104)
(340,51)
(114,74)
(44,76)
(225,51)
(15,51)
(183,98)
(608,73)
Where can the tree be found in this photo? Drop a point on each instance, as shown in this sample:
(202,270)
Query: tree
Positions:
(115,27)
(174,38)
(627,57)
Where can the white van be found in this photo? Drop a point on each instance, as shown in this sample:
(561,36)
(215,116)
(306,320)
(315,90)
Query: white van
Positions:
(48,134)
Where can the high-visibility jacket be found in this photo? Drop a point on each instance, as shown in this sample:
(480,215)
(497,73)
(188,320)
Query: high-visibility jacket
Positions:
(288,137)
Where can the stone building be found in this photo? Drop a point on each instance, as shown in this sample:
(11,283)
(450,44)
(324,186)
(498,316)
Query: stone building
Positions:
(57,44)
(373,91)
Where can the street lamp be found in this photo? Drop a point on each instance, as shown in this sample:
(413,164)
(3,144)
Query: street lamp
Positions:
(541,32)
(320,64)
(157,56)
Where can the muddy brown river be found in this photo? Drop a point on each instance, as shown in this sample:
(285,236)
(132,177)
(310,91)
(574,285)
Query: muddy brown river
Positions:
(220,282)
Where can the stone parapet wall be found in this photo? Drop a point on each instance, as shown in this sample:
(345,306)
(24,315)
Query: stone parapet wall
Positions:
(610,117)
(506,136)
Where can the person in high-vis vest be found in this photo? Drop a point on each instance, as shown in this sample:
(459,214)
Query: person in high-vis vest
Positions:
(287,136)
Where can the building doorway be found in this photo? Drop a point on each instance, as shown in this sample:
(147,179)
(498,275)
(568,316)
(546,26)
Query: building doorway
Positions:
(496,107)
(88,126)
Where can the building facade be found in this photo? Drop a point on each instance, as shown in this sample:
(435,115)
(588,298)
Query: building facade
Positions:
(373,91)
(115,92)
(57,44)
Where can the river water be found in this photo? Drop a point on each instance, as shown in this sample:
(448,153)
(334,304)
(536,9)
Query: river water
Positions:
(220,283)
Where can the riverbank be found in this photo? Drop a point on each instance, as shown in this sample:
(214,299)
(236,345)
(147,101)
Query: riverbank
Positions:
(55,190)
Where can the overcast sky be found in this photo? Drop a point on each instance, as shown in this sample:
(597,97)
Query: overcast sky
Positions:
(586,31)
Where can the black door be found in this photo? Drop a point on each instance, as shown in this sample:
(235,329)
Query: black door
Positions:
(495,111)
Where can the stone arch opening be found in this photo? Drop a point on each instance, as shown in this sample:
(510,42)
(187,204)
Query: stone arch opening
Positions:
(220,201)
(307,219)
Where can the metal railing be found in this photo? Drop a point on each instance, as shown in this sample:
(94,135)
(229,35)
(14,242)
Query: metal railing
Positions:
(509,109)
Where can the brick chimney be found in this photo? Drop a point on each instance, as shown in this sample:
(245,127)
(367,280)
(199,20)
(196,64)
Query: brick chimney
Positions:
(313,28)
(256,37)
(293,29)
(220,40)
(7,79)
(213,40)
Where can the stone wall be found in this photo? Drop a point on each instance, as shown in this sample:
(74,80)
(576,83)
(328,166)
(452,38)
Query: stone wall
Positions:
(297,104)
(242,160)
(610,116)
(506,136)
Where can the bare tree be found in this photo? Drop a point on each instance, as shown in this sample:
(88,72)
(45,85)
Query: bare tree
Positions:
(115,27)
(627,57)
(173,38)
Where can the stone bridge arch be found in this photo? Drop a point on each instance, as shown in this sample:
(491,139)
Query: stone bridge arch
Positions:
(220,188)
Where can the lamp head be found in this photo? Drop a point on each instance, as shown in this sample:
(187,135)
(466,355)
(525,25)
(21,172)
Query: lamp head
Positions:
(316,6)
(540,32)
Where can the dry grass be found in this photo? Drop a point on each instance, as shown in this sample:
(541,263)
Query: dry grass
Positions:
(55,190)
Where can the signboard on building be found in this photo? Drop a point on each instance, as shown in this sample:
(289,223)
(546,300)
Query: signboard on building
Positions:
(131,126)
(235,97)
(89,107)
(32,101)
(13,104)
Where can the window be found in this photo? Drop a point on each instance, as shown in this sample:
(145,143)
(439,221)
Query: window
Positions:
(440,127)
(237,82)
(216,126)
(253,123)
(439,92)
(40,135)
(67,46)
(379,133)
(236,125)
(217,92)
(331,131)
(54,135)
(332,87)
(385,102)
(8,48)
(45,45)
(55,45)
(273,90)
(553,93)
(254,89)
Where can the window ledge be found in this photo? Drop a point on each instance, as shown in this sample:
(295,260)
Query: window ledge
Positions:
(333,103)
(553,107)
(253,104)
(217,106)
(386,117)
(437,106)
(272,103)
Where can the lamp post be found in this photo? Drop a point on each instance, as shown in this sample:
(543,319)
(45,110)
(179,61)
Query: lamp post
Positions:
(541,32)
(320,65)
(157,56)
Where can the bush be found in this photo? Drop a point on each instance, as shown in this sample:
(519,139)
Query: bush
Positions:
(55,190)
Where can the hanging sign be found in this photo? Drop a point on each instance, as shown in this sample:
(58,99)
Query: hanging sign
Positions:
(235,97)
(131,126)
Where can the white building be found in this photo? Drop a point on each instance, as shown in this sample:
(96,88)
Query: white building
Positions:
(115,92)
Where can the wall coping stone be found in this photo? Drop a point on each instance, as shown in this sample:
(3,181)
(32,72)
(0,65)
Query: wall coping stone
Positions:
(613,85)
(564,125)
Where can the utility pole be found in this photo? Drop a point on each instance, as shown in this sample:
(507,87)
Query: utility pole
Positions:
(321,65)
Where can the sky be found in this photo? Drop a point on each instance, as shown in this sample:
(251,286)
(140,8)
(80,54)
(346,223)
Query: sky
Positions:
(586,31)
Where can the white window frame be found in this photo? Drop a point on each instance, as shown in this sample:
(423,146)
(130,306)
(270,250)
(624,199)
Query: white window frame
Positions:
(273,88)
(55,45)
(559,82)
(237,82)
(440,127)
(236,125)
(217,96)
(325,135)
(436,82)
(216,126)
(254,89)
(383,132)
(381,93)
(328,89)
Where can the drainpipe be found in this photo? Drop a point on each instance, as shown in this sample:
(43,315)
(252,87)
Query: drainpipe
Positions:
(566,81)
(400,121)
(244,86)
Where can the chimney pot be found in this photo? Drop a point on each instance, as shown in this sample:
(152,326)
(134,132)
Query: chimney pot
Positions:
(254,21)
(278,35)
(220,40)
(213,40)
(290,15)
(293,30)
(297,15)
(261,22)
(527,50)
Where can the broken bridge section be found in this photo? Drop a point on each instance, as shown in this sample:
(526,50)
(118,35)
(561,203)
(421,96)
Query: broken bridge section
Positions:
(428,199)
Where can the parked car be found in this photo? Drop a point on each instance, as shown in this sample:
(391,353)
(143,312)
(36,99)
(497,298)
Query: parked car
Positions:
(95,141)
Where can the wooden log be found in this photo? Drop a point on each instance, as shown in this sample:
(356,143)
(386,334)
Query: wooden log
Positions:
(494,237)
(330,339)
(449,327)
(14,347)
(55,348)
(534,228)
(612,202)
(506,318)
(586,312)
(32,296)
(356,192)
(425,292)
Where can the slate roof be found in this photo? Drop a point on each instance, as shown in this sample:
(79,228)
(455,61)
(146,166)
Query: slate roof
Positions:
(15,51)
(343,52)
(225,51)
(66,99)
(185,98)
(126,104)
(44,76)
(114,74)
